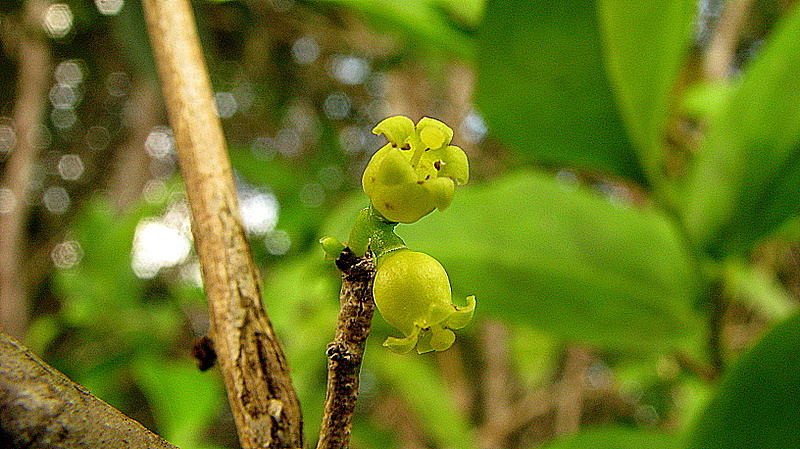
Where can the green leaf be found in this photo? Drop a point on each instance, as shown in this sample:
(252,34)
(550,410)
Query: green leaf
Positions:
(184,400)
(438,24)
(543,87)
(744,184)
(617,438)
(565,260)
(646,43)
(757,404)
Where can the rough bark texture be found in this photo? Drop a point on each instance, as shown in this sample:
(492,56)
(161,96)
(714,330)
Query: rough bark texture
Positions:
(41,408)
(254,368)
(346,351)
(33,82)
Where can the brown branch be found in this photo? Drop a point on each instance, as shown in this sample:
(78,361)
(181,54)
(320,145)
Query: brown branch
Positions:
(40,407)
(571,390)
(721,51)
(346,351)
(256,374)
(33,55)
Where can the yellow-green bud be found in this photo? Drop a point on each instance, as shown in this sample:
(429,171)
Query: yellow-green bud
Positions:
(412,293)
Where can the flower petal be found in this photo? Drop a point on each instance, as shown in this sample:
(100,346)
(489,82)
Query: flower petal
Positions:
(454,164)
(396,129)
(462,315)
(433,133)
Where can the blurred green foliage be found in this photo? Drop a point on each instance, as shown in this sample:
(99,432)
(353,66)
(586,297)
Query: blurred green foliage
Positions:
(585,223)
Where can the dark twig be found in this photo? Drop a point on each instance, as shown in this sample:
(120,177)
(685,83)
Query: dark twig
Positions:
(346,351)
(40,407)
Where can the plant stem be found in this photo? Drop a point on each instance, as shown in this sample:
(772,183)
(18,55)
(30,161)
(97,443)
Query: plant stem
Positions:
(346,351)
(256,374)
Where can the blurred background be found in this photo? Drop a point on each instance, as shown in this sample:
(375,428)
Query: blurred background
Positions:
(593,308)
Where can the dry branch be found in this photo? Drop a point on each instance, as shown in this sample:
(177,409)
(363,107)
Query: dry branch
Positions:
(33,82)
(346,351)
(41,408)
(253,365)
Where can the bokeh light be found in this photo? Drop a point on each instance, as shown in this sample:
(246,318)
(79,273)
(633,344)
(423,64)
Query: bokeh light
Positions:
(66,254)
(63,118)
(331,177)
(70,167)
(58,20)
(156,246)
(305,50)
(226,104)
(68,73)
(350,70)
(97,138)
(312,195)
(259,212)
(109,7)
(56,199)
(287,141)
(8,137)
(155,191)
(263,147)
(118,84)
(337,106)
(473,128)
(159,143)
(352,139)
(278,242)
(63,96)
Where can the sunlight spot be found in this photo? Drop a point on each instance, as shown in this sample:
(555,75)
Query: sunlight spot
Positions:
(157,246)
(259,212)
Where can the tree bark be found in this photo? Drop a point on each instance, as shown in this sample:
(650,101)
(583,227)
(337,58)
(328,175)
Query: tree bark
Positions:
(346,351)
(41,408)
(256,374)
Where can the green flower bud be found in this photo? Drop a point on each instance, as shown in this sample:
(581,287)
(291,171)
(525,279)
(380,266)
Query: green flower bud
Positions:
(412,293)
(416,172)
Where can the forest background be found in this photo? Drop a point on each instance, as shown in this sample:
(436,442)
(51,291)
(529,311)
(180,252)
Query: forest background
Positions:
(630,228)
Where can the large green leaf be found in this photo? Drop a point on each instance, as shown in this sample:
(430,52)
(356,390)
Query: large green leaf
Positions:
(565,260)
(745,181)
(440,24)
(758,402)
(645,46)
(617,438)
(543,88)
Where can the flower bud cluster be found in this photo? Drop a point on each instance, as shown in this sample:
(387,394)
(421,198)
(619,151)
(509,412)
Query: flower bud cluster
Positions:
(412,175)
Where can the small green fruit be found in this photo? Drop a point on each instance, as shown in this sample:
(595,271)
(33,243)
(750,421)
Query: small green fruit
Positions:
(412,293)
